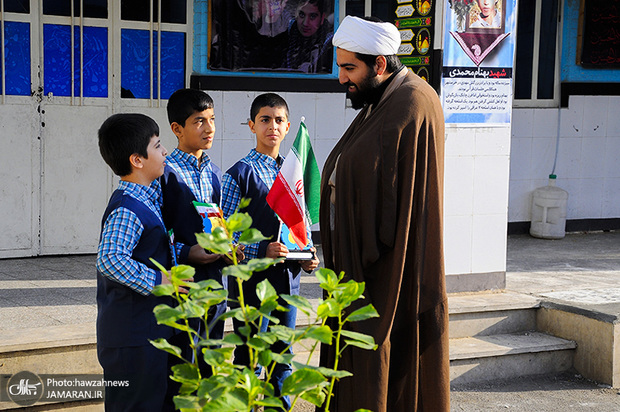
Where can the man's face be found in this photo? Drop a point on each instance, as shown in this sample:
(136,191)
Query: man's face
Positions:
(360,79)
(309,19)
(486,7)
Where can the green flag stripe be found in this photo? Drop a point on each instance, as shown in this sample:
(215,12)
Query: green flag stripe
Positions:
(312,178)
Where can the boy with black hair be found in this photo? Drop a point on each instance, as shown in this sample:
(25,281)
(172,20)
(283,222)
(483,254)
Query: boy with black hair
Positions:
(252,177)
(133,232)
(190,176)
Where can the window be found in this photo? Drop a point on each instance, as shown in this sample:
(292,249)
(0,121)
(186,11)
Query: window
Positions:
(153,54)
(537,55)
(283,36)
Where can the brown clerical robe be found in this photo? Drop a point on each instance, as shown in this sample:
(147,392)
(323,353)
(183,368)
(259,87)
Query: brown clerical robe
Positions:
(384,228)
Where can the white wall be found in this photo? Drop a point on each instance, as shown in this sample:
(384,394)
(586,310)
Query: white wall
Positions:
(326,118)
(476,198)
(588,163)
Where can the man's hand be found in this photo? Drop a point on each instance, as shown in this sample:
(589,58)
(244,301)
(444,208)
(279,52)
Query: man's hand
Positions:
(276,250)
(199,256)
(309,265)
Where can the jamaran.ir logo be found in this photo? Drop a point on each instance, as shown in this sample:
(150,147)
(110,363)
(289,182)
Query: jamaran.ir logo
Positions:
(25,388)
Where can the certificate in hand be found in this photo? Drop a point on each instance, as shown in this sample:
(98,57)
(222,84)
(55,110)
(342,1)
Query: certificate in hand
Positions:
(294,253)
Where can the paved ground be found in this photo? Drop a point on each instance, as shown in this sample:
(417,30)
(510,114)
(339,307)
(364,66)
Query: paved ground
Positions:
(581,270)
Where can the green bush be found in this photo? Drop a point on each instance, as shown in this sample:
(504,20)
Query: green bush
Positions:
(236,388)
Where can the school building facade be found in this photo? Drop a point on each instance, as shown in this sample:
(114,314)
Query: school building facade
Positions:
(66,66)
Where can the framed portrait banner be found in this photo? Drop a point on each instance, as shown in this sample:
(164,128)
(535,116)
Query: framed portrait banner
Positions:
(599,27)
(479,47)
(291,36)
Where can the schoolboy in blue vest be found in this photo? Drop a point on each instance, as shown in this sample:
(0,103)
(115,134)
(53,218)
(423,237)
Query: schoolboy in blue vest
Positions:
(132,233)
(252,177)
(190,176)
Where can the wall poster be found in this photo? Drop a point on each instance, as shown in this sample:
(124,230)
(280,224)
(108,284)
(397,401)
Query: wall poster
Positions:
(271,35)
(599,27)
(415,23)
(479,44)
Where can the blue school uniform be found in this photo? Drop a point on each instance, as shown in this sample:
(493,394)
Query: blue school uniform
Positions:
(252,177)
(184,181)
(132,233)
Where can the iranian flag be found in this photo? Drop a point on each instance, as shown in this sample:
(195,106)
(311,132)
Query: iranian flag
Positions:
(297,188)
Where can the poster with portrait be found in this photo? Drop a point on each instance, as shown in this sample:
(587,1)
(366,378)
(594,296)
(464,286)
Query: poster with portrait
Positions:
(271,35)
(478,59)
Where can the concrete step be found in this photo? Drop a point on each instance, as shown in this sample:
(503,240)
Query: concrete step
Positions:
(491,313)
(53,350)
(490,357)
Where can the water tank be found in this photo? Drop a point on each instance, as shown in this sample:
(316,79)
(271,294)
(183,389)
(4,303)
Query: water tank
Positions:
(549,211)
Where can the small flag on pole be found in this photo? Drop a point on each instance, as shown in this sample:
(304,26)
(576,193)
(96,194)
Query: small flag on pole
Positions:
(297,188)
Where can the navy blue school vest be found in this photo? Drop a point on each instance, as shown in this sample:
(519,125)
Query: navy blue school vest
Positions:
(125,317)
(180,215)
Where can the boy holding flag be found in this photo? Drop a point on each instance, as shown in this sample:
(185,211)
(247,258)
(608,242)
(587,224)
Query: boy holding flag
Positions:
(252,177)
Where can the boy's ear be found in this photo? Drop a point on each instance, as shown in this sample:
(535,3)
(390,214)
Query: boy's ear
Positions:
(251,124)
(136,161)
(177,129)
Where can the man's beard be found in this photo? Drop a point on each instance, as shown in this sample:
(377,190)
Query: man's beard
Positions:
(365,90)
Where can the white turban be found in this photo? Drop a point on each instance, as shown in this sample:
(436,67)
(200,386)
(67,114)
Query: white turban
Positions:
(367,37)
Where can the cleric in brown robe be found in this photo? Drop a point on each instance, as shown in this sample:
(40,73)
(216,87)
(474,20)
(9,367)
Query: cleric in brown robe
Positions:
(381,223)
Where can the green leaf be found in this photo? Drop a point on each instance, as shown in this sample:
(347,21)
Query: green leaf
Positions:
(359,340)
(300,381)
(299,302)
(363,313)
(283,333)
(163,289)
(270,402)
(257,343)
(238,222)
(213,357)
(182,272)
(268,337)
(327,279)
(233,339)
(166,314)
(250,236)
(258,265)
(315,396)
(358,336)
(191,309)
(283,358)
(217,241)
(327,372)
(321,333)
(185,372)
(162,344)
(268,306)
(265,357)
(242,272)
(244,202)
(329,308)
(158,265)
(187,402)
(209,284)
(265,291)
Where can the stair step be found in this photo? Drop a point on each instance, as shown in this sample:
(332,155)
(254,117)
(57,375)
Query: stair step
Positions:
(491,314)
(460,303)
(507,344)
(484,358)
